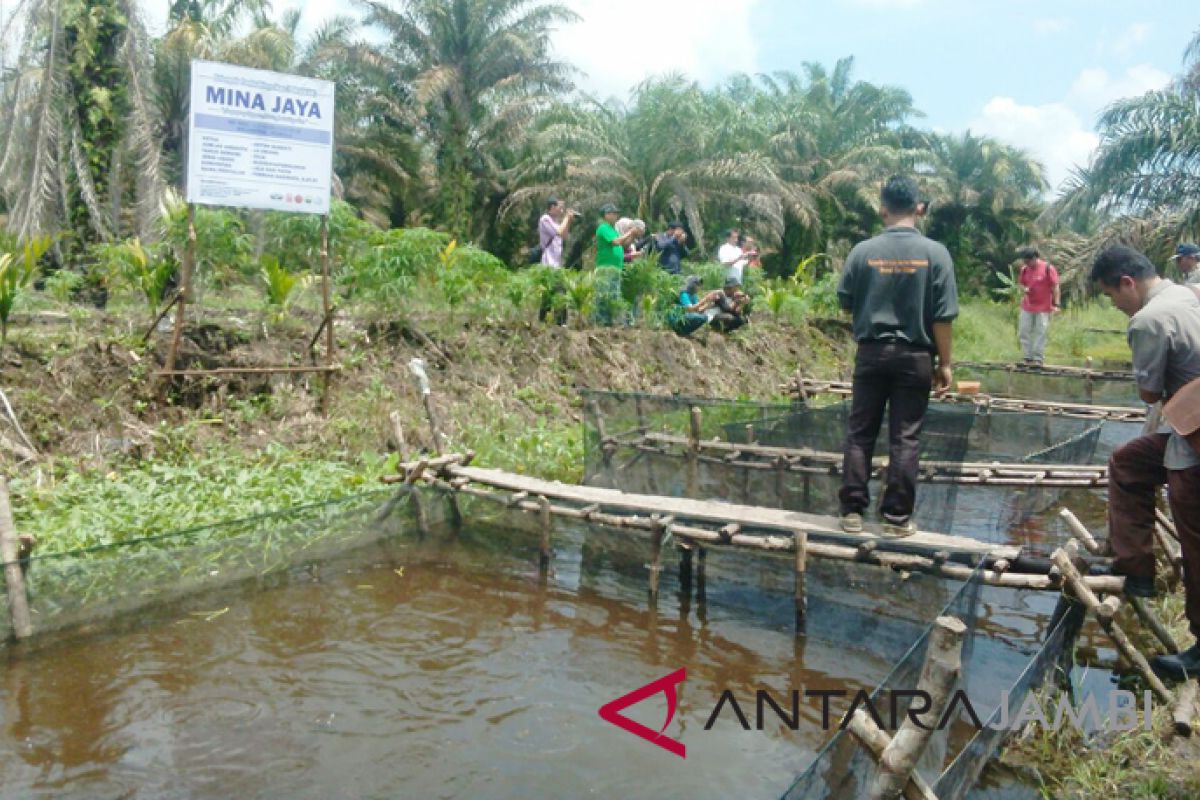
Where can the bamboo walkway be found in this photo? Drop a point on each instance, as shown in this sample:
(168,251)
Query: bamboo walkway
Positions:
(700,524)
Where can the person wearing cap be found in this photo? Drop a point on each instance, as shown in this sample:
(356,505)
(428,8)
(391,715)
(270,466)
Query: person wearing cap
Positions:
(610,259)
(900,288)
(731,304)
(1164,335)
(688,315)
(1039,282)
(1186,257)
(672,248)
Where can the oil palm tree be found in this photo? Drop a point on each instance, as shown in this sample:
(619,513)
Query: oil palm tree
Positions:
(475,73)
(663,156)
(986,198)
(1144,179)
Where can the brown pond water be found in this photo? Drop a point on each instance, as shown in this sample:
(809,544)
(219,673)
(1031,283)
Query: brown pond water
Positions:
(448,668)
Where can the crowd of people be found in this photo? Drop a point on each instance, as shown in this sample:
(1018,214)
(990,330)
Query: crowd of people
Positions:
(622,240)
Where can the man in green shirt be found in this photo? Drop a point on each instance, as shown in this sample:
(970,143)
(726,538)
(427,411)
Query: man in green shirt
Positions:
(610,259)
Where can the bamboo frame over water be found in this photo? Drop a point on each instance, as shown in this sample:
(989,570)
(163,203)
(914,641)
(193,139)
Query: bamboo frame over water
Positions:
(818,462)
(802,388)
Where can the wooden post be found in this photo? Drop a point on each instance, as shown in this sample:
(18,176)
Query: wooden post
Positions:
(939,675)
(1080,532)
(693,468)
(639,407)
(685,566)
(1185,708)
(1088,382)
(327,304)
(658,533)
(185,294)
(701,573)
(10,553)
(801,545)
(544,510)
(876,741)
(1062,560)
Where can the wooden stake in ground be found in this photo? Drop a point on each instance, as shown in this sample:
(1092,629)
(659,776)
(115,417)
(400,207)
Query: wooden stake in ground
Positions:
(327,319)
(10,547)
(185,294)
(693,470)
(940,674)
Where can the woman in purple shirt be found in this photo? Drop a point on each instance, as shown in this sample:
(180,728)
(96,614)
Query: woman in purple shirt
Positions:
(552,229)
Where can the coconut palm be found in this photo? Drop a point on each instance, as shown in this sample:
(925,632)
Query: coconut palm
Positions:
(79,140)
(476,73)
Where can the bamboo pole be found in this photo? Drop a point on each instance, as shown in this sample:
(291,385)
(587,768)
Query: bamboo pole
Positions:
(939,675)
(185,294)
(10,553)
(215,371)
(1154,624)
(1185,709)
(327,304)
(801,545)
(876,741)
(1080,532)
(1062,559)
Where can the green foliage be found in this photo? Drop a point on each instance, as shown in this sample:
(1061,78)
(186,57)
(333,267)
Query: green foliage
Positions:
(146,270)
(648,290)
(281,286)
(1010,290)
(223,246)
(63,285)
(88,508)
(17,267)
(387,270)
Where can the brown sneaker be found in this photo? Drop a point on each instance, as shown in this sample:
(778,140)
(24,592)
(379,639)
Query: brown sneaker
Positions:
(898,530)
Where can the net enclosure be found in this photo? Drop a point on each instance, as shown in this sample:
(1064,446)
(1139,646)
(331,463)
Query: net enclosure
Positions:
(1021,463)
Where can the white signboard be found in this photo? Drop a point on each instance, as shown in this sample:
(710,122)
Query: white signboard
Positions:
(259,139)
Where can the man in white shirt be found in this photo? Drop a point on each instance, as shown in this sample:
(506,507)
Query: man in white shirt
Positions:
(730,255)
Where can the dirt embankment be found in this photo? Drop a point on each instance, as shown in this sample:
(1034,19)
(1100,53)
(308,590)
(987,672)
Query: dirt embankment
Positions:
(82,389)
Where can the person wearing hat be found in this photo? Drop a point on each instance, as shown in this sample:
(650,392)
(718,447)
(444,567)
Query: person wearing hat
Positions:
(1186,256)
(731,304)
(610,259)
(1164,337)
(900,288)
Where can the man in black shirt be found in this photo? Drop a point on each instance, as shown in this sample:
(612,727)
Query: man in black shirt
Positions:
(900,288)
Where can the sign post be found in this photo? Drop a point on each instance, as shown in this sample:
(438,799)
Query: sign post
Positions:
(263,140)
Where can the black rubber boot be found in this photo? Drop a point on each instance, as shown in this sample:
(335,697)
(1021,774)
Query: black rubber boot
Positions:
(1181,667)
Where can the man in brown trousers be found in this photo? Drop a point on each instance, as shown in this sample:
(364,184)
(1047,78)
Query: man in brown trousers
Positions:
(1164,335)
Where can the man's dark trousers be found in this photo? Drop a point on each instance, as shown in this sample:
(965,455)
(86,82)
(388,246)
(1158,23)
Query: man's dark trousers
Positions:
(1135,471)
(898,376)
